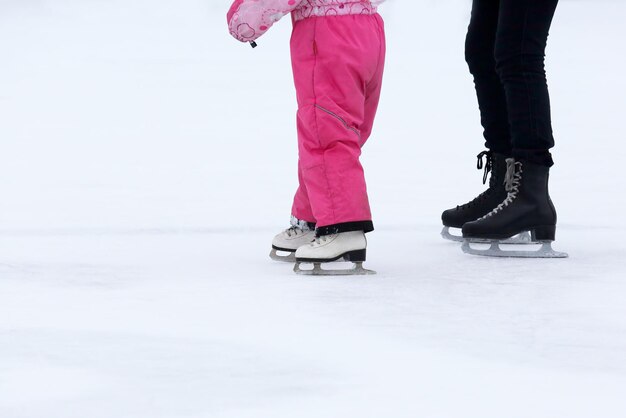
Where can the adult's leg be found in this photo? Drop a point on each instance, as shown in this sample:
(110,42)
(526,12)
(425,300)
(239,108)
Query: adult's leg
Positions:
(479,54)
(520,53)
(520,50)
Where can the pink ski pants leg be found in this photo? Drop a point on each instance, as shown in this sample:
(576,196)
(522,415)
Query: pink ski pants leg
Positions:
(338,64)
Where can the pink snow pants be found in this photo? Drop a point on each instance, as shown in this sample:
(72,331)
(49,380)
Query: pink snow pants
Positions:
(338,66)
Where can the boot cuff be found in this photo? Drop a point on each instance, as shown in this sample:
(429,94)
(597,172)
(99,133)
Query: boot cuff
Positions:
(303,225)
(365,226)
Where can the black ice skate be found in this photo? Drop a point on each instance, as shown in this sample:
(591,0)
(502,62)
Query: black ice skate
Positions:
(527,208)
(484,203)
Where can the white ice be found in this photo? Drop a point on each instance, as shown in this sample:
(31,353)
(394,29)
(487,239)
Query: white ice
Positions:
(147,159)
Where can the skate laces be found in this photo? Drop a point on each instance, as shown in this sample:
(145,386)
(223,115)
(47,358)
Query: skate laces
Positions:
(321,240)
(513,175)
(478,199)
(298,227)
(294,231)
(488,165)
(512,181)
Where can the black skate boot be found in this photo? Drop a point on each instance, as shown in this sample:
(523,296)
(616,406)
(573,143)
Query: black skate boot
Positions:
(527,208)
(485,202)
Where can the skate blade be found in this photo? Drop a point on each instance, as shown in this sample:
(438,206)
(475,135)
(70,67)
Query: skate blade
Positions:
(495,250)
(289,257)
(317,270)
(447,235)
(521,238)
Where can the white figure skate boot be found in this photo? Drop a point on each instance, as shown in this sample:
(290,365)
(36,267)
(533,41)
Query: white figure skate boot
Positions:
(345,246)
(288,241)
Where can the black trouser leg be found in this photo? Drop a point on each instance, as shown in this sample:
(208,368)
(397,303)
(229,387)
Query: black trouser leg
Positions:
(479,54)
(521,39)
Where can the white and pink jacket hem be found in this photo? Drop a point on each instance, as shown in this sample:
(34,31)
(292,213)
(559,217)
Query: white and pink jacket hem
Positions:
(250,19)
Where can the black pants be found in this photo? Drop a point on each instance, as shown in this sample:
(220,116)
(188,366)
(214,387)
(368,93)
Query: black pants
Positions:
(505,51)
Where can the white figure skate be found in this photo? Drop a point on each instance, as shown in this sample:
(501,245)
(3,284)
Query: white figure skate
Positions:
(285,244)
(345,246)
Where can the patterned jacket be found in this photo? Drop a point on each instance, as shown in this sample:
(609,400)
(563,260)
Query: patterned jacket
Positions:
(249,19)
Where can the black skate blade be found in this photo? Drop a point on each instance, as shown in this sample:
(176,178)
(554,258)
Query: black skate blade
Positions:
(283,256)
(317,270)
(499,249)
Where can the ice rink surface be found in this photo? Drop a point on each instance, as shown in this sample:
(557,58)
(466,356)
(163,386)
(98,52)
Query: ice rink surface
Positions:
(147,159)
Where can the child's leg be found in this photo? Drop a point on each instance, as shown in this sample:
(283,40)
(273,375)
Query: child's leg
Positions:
(337,64)
(301,205)
(374,88)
